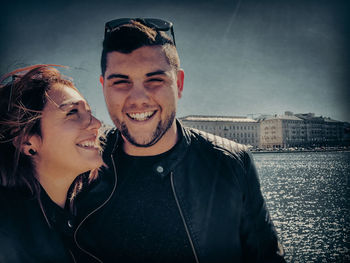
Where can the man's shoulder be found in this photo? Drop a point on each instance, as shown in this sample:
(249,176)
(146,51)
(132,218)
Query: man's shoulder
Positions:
(106,133)
(216,143)
(108,139)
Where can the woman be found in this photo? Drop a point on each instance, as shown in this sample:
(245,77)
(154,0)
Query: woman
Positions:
(48,149)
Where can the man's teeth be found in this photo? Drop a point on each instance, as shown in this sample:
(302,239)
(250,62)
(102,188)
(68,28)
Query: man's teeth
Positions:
(141,116)
(87,144)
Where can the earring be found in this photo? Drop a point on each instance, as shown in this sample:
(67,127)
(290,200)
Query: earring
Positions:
(32,152)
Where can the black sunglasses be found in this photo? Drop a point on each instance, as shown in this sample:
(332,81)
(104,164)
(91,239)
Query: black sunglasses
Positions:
(154,23)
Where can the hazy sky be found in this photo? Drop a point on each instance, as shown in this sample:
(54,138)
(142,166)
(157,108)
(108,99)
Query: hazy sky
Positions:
(240,57)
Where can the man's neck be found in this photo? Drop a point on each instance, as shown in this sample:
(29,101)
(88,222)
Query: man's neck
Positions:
(168,140)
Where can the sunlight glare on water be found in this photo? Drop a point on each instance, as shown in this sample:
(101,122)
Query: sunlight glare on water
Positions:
(308,198)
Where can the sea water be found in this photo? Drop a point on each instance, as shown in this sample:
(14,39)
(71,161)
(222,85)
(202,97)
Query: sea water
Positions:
(308,196)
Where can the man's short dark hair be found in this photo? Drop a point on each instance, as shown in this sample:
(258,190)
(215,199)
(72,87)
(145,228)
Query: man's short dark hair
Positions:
(129,37)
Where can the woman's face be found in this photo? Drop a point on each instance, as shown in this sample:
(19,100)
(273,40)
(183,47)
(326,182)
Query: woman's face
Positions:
(68,141)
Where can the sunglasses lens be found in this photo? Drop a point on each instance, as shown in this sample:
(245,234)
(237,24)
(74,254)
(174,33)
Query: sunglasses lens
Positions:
(117,22)
(153,22)
(158,23)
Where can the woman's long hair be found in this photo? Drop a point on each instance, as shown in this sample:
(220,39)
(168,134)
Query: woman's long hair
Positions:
(22,101)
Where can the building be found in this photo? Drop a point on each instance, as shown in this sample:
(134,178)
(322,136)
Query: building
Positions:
(282,132)
(278,131)
(314,128)
(323,131)
(240,129)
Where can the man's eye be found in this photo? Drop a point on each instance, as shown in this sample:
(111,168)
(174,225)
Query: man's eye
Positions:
(120,82)
(155,80)
(72,112)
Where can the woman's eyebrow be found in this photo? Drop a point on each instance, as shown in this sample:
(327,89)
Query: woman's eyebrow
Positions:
(69,103)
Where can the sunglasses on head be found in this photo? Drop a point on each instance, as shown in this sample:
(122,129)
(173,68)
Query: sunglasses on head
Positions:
(154,23)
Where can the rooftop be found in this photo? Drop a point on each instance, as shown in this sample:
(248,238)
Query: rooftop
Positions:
(284,117)
(216,118)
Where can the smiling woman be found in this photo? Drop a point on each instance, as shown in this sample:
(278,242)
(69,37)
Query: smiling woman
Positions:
(48,147)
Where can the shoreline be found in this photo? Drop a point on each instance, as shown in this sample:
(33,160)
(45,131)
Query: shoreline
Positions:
(300,151)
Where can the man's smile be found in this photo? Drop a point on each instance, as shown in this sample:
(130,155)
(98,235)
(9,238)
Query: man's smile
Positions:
(141,116)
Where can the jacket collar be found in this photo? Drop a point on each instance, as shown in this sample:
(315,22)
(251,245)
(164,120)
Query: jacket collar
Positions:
(54,215)
(165,166)
(98,192)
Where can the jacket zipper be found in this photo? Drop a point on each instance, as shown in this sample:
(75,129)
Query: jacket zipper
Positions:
(75,233)
(71,253)
(182,217)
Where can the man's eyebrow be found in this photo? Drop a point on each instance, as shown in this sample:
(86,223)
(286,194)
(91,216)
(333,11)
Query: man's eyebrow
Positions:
(158,72)
(112,76)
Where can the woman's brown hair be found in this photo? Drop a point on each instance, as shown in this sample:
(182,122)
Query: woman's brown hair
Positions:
(22,101)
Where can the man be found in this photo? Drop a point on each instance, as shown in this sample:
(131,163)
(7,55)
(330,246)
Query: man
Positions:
(167,193)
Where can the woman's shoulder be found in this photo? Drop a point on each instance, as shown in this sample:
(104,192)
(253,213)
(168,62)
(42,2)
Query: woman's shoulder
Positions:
(6,196)
(14,202)
(9,195)
(24,234)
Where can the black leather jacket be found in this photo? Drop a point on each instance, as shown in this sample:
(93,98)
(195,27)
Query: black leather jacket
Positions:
(216,188)
(27,234)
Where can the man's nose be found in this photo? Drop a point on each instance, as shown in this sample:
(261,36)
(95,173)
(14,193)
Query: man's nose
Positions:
(138,95)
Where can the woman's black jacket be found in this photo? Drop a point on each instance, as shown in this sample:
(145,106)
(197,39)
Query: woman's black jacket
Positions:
(27,231)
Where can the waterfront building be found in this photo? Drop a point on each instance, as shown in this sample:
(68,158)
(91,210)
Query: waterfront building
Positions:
(240,129)
(323,131)
(346,134)
(314,128)
(282,132)
(277,131)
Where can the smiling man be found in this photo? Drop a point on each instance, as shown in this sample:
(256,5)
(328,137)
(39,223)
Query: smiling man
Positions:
(141,90)
(167,193)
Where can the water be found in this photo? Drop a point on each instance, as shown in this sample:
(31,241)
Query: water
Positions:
(308,196)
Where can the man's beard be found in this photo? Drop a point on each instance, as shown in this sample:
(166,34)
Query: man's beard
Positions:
(161,129)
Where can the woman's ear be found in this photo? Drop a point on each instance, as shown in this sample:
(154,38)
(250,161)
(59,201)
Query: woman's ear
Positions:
(31,146)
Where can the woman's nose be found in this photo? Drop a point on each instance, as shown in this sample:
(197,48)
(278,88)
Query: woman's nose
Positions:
(94,123)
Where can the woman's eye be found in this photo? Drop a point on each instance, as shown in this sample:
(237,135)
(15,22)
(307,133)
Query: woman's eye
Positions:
(72,112)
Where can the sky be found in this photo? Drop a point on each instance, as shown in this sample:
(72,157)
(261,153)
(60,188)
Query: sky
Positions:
(240,57)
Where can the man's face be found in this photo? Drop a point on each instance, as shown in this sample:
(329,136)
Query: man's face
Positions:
(141,91)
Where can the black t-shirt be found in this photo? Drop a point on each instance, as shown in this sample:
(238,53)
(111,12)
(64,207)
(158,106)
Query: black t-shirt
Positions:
(142,222)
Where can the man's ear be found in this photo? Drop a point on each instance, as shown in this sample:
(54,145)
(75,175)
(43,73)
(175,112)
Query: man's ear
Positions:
(180,82)
(101,80)
(31,146)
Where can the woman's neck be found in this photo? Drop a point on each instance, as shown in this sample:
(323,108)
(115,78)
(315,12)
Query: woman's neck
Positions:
(56,184)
